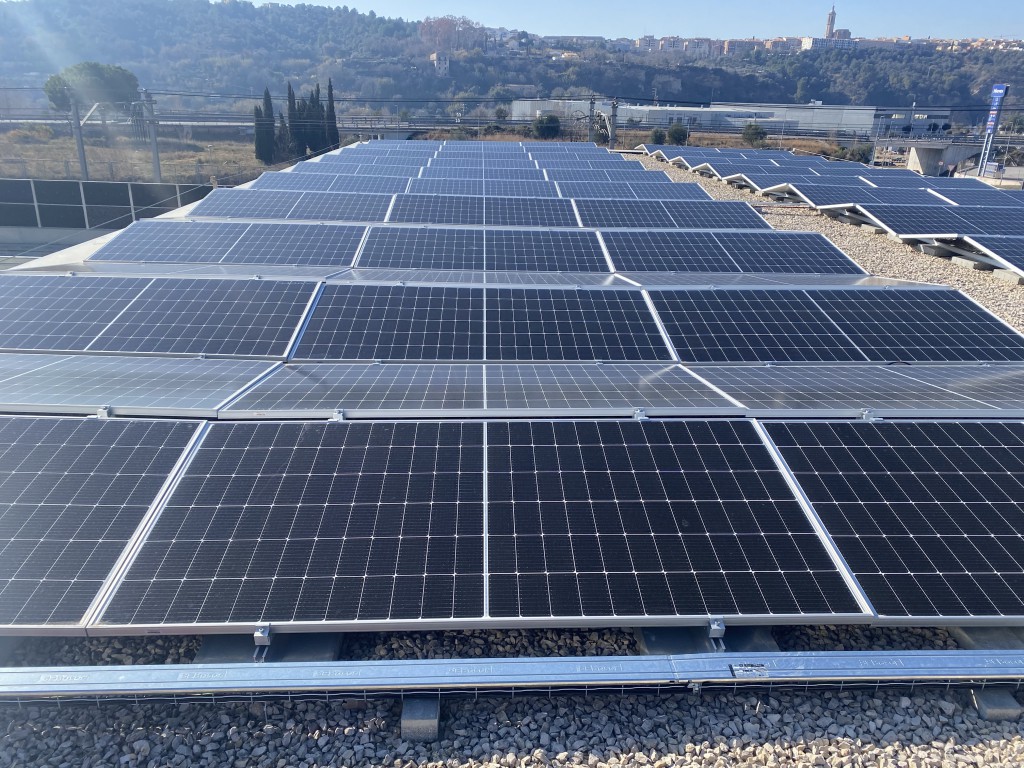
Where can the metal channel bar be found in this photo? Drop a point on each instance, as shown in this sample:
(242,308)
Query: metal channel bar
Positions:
(359,248)
(131,550)
(607,254)
(713,387)
(486,529)
(304,319)
(661,326)
(816,523)
(466,675)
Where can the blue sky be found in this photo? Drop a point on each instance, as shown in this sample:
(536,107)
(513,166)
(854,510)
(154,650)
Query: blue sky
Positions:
(726,18)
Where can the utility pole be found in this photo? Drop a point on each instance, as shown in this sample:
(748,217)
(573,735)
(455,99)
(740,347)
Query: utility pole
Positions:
(590,125)
(76,128)
(149,106)
(611,123)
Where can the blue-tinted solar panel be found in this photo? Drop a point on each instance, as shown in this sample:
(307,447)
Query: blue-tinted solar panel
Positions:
(697,214)
(519,188)
(451,186)
(1009,249)
(376,322)
(423,248)
(211,317)
(296,182)
(635,250)
(60,312)
(527,212)
(624,213)
(679,191)
(295,244)
(437,209)
(791,252)
(544,251)
(538,324)
(247,204)
(340,206)
(384,185)
(171,241)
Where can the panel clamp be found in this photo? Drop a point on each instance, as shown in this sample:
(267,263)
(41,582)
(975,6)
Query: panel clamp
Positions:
(716,633)
(868,414)
(640,414)
(103,412)
(261,639)
(339,415)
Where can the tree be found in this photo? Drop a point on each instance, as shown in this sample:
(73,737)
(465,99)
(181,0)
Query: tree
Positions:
(754,134)
(500,114)
(547,127)
(657,136)
(333,139)
(90,82)
(263,130)
(283,140)
(678,134)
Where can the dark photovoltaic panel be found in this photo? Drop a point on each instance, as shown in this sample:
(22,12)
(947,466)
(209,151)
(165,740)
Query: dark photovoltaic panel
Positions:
(296,244)
(624,213)
(85,383)
(992,221)
(72,493)
(751,326)
(384,185)
(697,214)
(301,182)
(519,188)
(60,312)
(935,325)
(538,324)
(792,252)
(1009,249)
(437,209)
(171,241)
(925,219)
(851,387)
(586,386)
(323,388)
(679,191)
(989,198)
(247,204)
(927,515)
(854,192)
(473,187)
(212,317)
(317,522)
(543,251)
(369,168)
(996,386)
(626,519)
(339,206)
(563,174)
(423,248)
(527,212)
(667,251)
(378,322)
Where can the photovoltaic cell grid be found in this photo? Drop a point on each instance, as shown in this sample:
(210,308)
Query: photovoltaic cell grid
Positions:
(543,251)
(924,220)
(927,515)
(152,240)
(73,492)
(423,248)
(296,244)
(1008,249)
(624,519)
(317,522)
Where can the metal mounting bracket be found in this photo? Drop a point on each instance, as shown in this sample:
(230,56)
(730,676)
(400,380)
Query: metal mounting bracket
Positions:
(716,633)
(640,414)
(103,412)
(261,639)
(339,415)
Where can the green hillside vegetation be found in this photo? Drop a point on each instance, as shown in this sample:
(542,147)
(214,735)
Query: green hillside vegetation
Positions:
(239,48)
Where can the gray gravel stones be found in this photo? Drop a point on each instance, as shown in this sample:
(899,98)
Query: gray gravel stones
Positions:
(509,643)
(103,651)
(840,728)
(862,638)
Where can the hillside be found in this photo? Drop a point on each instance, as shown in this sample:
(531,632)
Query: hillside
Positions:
(237,47)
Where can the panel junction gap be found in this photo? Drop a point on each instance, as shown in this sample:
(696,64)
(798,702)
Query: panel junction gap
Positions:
(300,328)
(661,326)
(486,550)
(117,317)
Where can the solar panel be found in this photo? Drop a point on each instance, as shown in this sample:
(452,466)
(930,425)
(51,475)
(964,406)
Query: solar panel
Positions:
(991,221)
(933,325)
(340,206)
(697,214)
(820,195)
(604,176)
(541,251)
(301,182)
(423,248)
(629,519)
(211,317)
(247,204)
(85,383)
(152,240)
(1009,250)
(989,198)
(320,389)
(558,386)
(57,313)
(678,191)
(850,388)
(368,168)
(73,493)
(519,188)
(295,244)
(386,185)
(786,252)
(668,251)
(916,511)
(447,186)
(527,212)
(316,523)
(378,322)
(624,213)
(751,326)
(437,209)
(539,324)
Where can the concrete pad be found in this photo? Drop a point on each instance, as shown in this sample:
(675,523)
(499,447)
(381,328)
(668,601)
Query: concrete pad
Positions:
(996,703)
(960,261)
(421,718)
(873,229)
(1008,275)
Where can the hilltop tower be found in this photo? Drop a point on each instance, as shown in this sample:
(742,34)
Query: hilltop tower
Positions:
(830,25)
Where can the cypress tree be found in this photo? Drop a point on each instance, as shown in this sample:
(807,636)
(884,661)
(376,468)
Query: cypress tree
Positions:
(333,140)
(282,141)
(263,119)
(296,147)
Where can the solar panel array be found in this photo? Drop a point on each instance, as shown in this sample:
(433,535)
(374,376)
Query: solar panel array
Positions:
(453,384)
